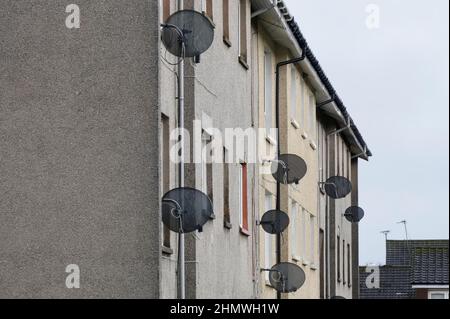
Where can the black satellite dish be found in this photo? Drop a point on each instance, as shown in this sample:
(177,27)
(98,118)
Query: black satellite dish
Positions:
(289,169)
(354,214)
(275,222)
(338,298)
(186,210)
(338,187)
(191,28)
(287,277)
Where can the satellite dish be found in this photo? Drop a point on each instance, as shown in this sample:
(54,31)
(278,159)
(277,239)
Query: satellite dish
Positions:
(275,222)
(186,210)
(338,297)
(287,277)
(191,28)
(338,187)
(289,169)
(354,214)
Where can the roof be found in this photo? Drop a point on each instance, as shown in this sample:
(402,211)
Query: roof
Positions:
(398,252)
(395,283)
(430,265)
(320,72)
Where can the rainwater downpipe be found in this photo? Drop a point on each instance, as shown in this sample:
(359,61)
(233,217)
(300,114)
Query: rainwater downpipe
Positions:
(277,115)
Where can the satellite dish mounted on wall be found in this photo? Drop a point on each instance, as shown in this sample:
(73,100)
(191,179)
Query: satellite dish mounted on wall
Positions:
(338,187)
(338,298)
(286,277)
(187,34)
(354,214)
(186,210)
(275,222)
(289,169)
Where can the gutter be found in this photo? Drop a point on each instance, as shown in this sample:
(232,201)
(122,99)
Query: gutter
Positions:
(318,77)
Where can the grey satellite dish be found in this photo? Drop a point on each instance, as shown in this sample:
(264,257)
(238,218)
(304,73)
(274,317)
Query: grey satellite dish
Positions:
(287,277)
(275,222)
(338,297)
(354,214)
(186,210)
(289,169)
(338,187)
(187,33)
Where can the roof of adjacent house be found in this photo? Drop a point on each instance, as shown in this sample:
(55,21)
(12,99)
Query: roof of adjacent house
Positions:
(430,265)
(409,263)
(395,283)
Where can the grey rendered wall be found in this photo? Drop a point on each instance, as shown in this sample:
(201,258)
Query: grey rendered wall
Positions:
(219,89)
(79,149)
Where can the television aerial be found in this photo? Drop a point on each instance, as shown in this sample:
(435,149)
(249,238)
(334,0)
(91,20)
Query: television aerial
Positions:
(354,214)
(289,169)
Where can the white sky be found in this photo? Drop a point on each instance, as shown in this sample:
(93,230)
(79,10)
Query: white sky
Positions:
(394,80)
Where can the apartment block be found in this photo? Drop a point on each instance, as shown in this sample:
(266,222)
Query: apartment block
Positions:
(89,118)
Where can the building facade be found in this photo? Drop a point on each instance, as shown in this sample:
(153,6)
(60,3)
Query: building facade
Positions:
(89,118)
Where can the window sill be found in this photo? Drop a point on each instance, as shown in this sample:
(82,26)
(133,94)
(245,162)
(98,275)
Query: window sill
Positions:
(305,263)
(297,259)
(313,145)
(228,225)
(167,251)
(210,19)
(227,42)
(243,62)
(271,140)
(295,124)
(314,267)
(305,135)
(245,232)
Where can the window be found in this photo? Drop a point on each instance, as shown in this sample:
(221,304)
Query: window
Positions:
(338,263)
(349,267)
(344,158)
(207,166)
(165,169)
(312,117)
(243,199)
(305,217)
(226,190)
(165,9)
(243,32)
(438,295)
(349,165)
(344,261)
(226,22)
(312,235)
(293,93)
(268,239)
(268,91)
(207,8)
(294,228)
(338,155)
(303,103)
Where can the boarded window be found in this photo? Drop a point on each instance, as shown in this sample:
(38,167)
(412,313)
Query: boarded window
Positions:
(208,10)
(338,263)
(226,190)
(244,198)
(226,22)
(268,91)
(165,9)
(165,169)
(349,267)
(243,31)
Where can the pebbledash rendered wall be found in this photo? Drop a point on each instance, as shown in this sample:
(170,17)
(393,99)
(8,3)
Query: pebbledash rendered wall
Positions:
(218,95)
(79,149)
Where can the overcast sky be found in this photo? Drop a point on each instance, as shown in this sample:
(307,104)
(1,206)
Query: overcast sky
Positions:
(394,80)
